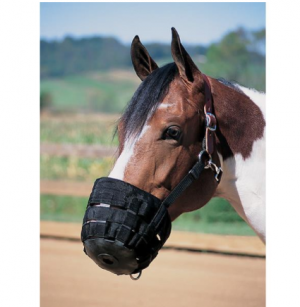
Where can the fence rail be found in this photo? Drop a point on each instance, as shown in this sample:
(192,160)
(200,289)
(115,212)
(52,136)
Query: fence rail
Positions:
(68,188)
(77,150)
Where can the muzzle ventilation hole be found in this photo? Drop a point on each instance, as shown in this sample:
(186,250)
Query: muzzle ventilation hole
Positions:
(107,259)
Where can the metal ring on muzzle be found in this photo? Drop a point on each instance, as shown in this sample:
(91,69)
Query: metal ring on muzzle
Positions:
(124,227)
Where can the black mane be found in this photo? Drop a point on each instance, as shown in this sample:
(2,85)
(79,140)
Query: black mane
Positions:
(146,99)
(230,84)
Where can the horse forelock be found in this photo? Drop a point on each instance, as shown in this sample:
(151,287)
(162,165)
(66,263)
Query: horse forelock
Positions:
(145,101)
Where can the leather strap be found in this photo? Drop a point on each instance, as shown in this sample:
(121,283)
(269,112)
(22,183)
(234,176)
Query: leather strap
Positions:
(211,122)
(192,175)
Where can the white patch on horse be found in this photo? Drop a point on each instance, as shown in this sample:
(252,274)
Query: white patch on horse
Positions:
(165,105)
(119,168)
(243,181)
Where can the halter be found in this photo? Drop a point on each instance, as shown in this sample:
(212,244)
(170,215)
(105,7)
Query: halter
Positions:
(124,227)
(205,156)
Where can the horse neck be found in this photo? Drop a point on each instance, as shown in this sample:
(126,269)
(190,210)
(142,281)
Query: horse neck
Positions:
(241,148)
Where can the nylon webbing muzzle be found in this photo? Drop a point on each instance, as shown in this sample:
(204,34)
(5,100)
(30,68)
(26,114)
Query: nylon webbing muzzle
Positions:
(123,227)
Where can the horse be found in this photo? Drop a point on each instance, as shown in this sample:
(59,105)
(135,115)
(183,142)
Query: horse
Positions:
(162,130)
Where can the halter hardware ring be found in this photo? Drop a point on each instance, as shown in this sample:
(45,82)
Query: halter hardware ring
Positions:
(217,170)
(211,165)
(209,117)
(205,160)
(137,277)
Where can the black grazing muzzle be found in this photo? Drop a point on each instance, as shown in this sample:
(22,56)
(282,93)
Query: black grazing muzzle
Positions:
(123,227)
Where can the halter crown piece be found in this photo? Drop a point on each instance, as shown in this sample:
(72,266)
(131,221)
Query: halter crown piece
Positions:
(124,227)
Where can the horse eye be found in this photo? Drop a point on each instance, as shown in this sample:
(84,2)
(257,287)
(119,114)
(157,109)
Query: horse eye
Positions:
(173,133)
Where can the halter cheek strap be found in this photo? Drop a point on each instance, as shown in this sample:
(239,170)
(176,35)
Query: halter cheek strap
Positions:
(205,156)
(211,122)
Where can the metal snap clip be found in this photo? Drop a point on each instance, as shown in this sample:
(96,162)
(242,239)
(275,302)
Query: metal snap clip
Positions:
(217,170)
(136,277)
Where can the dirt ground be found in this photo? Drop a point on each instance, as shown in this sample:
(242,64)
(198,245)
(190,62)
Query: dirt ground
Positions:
(175,278)
(178,239)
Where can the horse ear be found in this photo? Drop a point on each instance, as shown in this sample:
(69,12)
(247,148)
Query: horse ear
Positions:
(187,68)
(142,62)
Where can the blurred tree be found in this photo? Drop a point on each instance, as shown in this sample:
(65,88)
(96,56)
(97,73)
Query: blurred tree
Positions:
(68,83)
(74,56)
(238,57)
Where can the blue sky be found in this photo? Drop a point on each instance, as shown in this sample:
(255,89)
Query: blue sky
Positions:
(196,22)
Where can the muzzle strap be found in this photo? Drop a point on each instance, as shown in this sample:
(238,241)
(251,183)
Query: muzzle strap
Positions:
(192,175)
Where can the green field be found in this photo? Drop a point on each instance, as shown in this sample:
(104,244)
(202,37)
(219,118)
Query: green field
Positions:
(74,168)
(79,129)
(217,217)
(107,92)
(110,91)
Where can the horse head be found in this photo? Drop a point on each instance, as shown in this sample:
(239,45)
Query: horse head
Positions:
(171,147)
(161,133)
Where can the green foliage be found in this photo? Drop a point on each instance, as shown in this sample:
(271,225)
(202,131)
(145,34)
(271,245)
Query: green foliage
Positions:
(46,101)
(73,56)
(79,74)
(74,168)
(81,129)
(237,57)
(77,129)
(77,56)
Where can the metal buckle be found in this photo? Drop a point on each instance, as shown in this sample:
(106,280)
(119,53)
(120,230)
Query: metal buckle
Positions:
(208,121)
(217,170)
(210,164)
